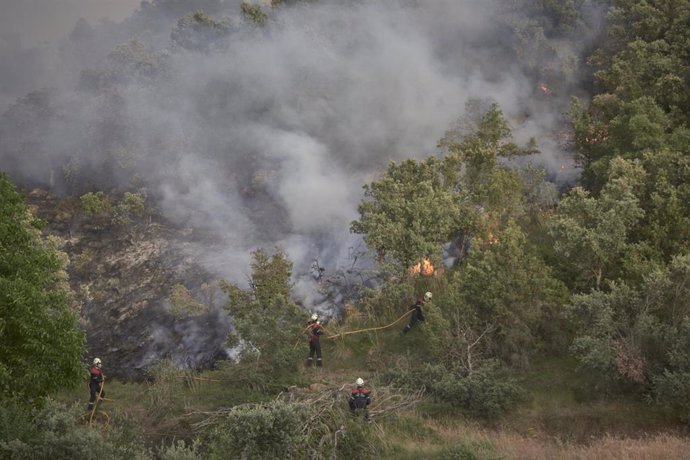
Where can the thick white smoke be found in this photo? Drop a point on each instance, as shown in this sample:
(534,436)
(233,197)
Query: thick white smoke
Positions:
(267,136)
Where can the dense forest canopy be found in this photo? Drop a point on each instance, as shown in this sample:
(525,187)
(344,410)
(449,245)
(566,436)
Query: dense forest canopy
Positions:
(535,153)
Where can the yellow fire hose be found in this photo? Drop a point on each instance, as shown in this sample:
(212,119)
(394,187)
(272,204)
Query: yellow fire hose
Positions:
(95,406)
(357,331)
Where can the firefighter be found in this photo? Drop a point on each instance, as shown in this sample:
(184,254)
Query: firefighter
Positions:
(95,382)
(417,314)
(314,330)
(359,399)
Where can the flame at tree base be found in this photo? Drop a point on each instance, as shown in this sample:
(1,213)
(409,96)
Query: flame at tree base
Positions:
(423,267)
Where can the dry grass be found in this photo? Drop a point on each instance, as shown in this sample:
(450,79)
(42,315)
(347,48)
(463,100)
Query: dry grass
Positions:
(539,446)
(606,448)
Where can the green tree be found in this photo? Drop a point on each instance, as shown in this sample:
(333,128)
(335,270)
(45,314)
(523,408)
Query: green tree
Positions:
(501,302)
(134,61)
(264,317)
(644,73)
(410,212)
(636,337)
(198,31)
(592,233)
(40,340)
(254,13)
(665,198)
(130,206)
(416,207)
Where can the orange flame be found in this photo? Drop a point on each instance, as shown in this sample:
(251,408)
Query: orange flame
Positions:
(423,267)
(491,238)
(545,89)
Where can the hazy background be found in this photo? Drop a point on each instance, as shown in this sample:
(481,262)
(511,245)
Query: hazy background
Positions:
(35,22)
(264,135)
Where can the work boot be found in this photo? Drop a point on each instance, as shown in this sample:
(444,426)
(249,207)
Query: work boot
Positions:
(308,362)
(319,363)
(405,330)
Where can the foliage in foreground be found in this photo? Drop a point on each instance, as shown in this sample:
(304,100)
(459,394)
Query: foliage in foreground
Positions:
(301,424)
(488,392)
(636,337)
(59,432)
(264,317)
(40,339)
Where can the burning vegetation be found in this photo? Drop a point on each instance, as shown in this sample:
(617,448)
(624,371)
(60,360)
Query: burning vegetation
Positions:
(424,267)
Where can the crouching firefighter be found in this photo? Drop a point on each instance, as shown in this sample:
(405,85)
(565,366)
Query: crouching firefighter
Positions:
(417,314)
(359,399)
(314,330)
(95,383)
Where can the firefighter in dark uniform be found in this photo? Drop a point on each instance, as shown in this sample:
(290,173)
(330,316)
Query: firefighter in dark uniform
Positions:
(314,330)
(359,399)
(95,382)
(417,314)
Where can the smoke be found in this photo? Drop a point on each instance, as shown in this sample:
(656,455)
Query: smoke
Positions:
(262,136)
(32,30)
(37,22)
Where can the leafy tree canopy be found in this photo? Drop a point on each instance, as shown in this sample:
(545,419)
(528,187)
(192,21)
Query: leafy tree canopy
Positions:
(644,74)
(416,207)
(592,233)
(500,301)
(635,335)
(265,319)
(40,340)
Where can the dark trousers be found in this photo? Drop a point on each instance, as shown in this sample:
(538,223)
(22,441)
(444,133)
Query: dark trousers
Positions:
(314,350)
(414,320)
(359,408)
(95,388)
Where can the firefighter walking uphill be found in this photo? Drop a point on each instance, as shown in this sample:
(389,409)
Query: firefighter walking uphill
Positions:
(417,314)
(314,330)
(95,382)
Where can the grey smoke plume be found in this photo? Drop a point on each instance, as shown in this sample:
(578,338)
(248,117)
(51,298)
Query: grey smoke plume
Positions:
(266,135)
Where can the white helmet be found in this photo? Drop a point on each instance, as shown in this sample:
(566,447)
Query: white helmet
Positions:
(314,317)
(359,382)
(427,296)
(97,362)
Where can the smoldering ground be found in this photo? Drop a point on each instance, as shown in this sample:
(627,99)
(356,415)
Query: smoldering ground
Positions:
(264,135)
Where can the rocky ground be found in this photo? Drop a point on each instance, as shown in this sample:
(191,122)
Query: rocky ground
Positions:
(123,279)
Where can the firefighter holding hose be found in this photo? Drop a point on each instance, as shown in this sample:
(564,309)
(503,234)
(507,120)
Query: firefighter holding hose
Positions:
(417,314)
(95,382)
(314,331)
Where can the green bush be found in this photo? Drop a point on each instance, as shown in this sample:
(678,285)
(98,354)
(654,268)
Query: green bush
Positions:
(272,430)
(486,393)
(672,390)
(179,451)
(415,377)
(164,387)
(55,431)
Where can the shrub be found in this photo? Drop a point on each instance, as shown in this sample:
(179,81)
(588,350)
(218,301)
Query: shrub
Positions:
(97,206)
(179,451)
(486,393)
(54,432)
(415,377)
(131,206)
(672,390)
(183,304)
(166,383)
(272,430)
